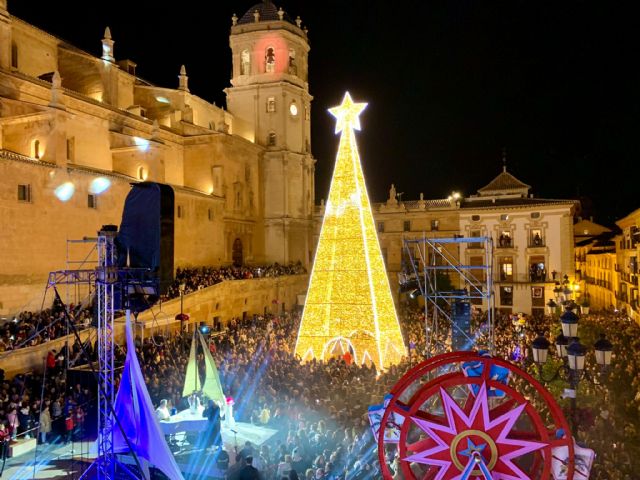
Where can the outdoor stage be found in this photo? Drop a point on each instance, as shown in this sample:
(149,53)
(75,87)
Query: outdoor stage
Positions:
(66,462)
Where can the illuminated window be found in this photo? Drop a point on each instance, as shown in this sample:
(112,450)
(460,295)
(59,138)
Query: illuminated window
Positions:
(271,104)
(245,66)
(92,201)
(271,139)
(293,109)
(407,226)
(536,239)
(35,149)
(435,225)
(381,227)
(24,193)
(142,173)
(504,240)
(71,148)
(270,60)
(506,269)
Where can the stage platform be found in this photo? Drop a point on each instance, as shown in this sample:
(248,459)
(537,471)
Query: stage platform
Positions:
(65,462)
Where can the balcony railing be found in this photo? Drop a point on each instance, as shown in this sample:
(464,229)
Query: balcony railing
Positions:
(504,242)
(535,242)
(523,278)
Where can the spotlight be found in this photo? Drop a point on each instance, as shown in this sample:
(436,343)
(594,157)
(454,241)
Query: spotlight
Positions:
(65,191)
(99,185)
(205,329)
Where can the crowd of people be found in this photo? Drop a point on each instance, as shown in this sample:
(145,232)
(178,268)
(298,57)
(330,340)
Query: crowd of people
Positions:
(193,279)
(28,329)
(320,408)
(46,406)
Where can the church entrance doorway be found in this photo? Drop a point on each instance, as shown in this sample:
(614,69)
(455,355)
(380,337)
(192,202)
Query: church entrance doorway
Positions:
(236,253)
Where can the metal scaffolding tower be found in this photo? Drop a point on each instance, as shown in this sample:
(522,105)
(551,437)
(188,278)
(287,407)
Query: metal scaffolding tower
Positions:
(432,262)
(106,280)
(116,289)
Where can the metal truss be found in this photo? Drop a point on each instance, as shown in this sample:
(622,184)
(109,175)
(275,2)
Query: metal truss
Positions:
(116,289)
(106,280)
(429,258)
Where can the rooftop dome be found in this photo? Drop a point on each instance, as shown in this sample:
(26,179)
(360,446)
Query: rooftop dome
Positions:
(268,13)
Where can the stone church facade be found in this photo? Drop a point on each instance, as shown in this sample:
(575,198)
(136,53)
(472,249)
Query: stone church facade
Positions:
(243,177)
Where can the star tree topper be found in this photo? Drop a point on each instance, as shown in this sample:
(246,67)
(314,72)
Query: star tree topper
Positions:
(347,114)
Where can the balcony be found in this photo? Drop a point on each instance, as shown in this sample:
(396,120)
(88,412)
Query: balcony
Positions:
(504,241)
(536,242)
(523,278)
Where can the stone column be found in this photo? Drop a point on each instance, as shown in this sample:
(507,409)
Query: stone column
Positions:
(5,36)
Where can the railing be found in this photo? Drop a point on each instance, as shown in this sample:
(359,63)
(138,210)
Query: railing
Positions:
(523,278)
(504,242)
(536,242)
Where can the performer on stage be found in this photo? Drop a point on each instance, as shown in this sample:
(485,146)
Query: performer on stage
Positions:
(162,412)
(212,436)
(194,403)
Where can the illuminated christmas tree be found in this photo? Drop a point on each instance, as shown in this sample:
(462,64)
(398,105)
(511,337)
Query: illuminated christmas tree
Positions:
(349,305)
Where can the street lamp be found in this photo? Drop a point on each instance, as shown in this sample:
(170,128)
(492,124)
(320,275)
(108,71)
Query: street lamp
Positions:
(561,346)
(540,349)
(569,322)
(573,354)
(604,350)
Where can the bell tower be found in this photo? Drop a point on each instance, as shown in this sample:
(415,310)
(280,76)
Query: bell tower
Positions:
(270,101)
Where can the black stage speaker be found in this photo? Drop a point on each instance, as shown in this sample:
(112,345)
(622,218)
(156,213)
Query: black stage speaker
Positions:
(146,236)
(461,323)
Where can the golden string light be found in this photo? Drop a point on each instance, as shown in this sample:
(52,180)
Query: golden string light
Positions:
(349,301)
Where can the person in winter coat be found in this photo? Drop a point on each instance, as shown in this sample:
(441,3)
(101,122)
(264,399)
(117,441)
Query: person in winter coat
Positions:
(45,423)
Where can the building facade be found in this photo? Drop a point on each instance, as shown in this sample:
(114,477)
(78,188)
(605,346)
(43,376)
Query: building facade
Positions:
(532,237)
(243,177)
(626,267)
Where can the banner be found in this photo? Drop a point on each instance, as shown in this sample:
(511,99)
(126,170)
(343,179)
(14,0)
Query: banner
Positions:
(583,461)
(394,421)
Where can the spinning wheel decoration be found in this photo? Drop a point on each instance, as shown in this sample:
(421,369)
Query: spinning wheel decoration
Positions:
(465,416)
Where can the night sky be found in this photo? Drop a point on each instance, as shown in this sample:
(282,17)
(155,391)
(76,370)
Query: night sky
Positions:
(449,84)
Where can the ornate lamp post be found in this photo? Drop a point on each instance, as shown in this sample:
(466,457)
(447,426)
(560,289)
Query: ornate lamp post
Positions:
(573,354)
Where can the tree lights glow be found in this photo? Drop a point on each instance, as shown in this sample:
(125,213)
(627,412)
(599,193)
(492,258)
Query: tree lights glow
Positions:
(349,303)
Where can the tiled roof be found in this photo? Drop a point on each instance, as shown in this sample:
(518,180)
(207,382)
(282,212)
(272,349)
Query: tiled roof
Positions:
(504,181)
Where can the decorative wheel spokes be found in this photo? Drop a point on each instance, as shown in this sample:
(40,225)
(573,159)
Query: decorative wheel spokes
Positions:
(470,419)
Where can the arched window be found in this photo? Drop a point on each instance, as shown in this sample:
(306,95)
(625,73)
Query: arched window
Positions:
(142,173)
(270,60)
(293,69)
(35,149)
(271,139)
(245,67)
